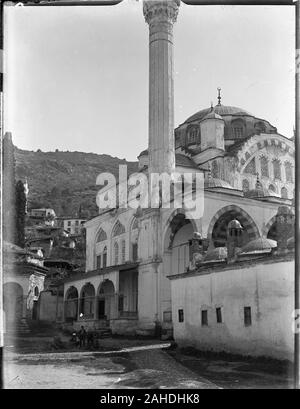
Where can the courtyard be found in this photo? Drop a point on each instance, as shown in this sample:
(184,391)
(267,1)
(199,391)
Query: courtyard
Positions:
(31,363)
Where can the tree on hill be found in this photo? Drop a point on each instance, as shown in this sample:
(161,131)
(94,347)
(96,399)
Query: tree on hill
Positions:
(8,189)
(20,205)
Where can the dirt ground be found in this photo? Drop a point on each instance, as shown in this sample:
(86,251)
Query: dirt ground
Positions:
(31,362)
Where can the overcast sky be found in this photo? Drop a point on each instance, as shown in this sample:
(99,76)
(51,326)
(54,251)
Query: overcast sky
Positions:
(77,77)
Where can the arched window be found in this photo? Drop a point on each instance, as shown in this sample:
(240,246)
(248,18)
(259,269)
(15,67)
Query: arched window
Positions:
(116,253)
(260,127)
(245,185)
(134,251)
(123,249)
(284,193)
(277,169)
(135,224)
(214,170)
(192,135)
(238,129)
(101,236)
(272,188)
(288,172)
(98,261)
(118,229)
(104,257)
(251,167)
(264,166)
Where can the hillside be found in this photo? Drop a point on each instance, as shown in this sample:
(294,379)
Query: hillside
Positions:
(65,181)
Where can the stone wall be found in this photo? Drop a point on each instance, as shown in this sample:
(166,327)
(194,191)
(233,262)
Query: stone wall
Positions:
(267,288)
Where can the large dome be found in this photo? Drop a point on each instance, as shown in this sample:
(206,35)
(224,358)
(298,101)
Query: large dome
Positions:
(220,110)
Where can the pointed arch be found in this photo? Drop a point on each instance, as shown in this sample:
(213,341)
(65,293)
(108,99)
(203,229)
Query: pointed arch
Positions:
(236,212)
(116,253)
(101,235)
(118,229)
(135,224)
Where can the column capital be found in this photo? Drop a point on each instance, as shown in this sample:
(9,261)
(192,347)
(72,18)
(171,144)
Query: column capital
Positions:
(157,11)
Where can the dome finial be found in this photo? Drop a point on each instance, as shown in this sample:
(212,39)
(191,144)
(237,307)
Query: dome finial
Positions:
(211,106)
(219,96)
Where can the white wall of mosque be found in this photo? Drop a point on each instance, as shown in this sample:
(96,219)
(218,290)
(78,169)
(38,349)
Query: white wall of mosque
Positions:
(267,289)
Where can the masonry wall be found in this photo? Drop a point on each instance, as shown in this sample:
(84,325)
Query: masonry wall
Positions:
(47,306)
(268,288)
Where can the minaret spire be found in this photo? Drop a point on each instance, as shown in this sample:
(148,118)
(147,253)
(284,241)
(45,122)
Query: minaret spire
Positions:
(219,96)
(161,15)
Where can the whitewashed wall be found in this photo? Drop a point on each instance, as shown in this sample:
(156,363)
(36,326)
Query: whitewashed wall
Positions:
(267,288)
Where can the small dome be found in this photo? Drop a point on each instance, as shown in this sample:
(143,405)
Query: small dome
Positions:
(259,245)
(234,224)
(215,182)
(144,153)
(219,110)
(197,235)
(217,254)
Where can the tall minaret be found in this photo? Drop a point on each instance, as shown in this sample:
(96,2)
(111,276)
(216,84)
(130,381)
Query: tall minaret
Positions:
(161,15)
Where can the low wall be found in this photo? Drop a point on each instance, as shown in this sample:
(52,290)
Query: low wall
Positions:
(267,288)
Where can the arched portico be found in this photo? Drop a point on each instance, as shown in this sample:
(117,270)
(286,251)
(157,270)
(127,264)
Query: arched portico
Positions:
(87,302)
(177,219)
(71,304)
(217,229)
(106,301)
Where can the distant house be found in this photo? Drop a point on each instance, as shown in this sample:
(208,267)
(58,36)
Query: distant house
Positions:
(42,213)
(71,224)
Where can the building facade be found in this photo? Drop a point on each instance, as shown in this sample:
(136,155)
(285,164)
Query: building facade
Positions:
(247,173)
(72,225)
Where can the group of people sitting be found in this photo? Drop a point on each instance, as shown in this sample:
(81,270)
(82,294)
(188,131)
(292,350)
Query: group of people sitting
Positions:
(83,338)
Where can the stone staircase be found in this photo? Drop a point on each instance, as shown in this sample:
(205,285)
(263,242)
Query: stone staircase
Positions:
(17,328)
(104,332)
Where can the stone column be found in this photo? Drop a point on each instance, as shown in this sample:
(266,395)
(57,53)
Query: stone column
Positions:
(160,15)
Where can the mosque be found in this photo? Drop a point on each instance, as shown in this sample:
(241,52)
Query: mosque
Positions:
(222,281)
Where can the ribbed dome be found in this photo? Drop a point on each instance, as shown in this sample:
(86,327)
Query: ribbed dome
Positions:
(259,245)
(234,224)
(219,253)
(144,153)
(220,110)
(215,182)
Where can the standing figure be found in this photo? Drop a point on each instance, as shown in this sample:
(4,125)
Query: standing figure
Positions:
(82,337)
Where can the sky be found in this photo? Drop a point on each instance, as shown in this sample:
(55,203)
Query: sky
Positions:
(76,78)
